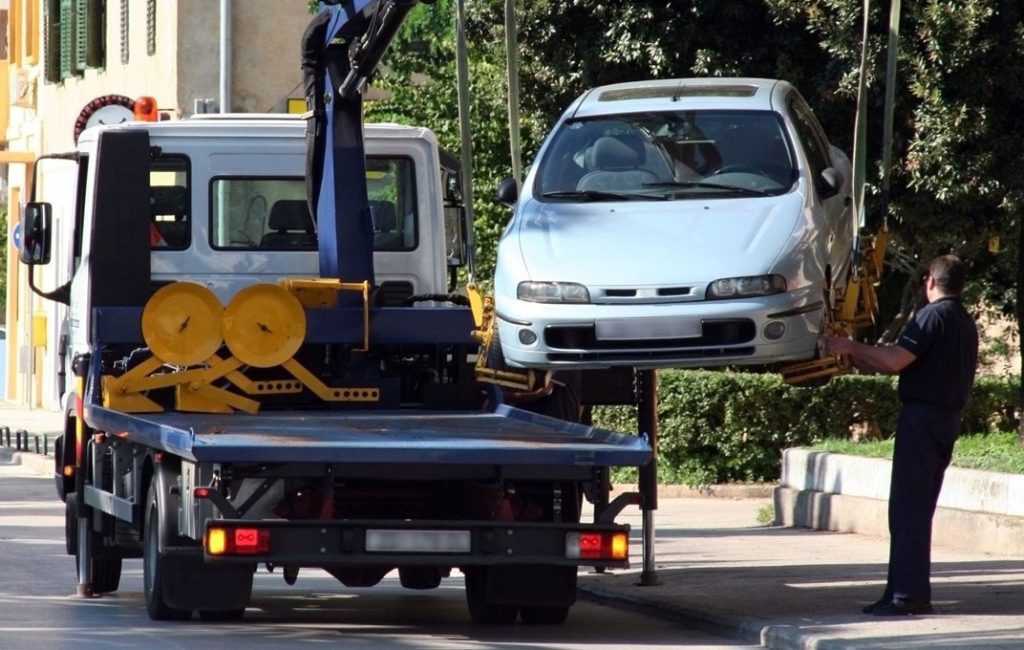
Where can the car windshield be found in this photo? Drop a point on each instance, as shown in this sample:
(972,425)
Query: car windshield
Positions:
(668,155)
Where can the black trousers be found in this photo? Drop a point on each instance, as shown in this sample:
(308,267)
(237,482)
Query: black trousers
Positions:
(924,445)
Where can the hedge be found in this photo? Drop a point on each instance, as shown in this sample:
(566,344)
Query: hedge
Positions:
(721,426)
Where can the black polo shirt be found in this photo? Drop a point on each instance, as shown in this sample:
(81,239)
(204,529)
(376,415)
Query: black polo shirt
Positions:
(944,338)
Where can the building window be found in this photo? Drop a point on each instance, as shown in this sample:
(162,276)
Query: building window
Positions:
(73,37)
(124,32)
(151,27)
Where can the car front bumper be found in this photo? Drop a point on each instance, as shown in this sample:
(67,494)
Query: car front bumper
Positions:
(751,331)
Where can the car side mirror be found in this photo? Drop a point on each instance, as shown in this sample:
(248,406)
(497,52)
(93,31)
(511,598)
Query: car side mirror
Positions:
(829,183)
(36,232)
(508,192)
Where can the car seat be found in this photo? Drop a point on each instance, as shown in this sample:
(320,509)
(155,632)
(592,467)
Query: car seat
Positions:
(616,163)
(169,215)
(291,226)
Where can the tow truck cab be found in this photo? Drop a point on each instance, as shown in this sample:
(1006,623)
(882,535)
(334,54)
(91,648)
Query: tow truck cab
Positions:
(225,206)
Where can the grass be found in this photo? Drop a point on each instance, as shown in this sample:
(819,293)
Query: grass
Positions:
(994,452)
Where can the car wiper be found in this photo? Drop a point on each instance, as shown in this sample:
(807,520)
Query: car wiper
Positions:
(597,195)
(749,191)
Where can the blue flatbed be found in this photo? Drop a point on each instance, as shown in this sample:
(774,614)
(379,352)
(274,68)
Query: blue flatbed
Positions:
(504,436)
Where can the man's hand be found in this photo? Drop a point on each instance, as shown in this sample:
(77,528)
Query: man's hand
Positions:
(839,345)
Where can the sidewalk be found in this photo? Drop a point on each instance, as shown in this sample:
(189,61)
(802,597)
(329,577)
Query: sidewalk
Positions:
(796,588)
(781,587)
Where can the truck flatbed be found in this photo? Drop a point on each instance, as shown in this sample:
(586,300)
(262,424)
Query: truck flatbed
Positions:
(505,436)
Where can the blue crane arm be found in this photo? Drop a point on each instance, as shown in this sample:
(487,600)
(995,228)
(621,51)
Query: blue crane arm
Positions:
(341,48)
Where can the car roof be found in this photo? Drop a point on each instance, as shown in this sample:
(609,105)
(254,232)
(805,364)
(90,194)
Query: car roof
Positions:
(742,93)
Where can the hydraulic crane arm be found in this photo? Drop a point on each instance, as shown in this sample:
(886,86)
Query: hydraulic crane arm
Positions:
(340,52)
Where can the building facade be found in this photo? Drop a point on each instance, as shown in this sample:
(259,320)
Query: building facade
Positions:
(63,54)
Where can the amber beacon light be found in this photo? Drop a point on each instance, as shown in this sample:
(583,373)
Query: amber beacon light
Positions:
(146,110)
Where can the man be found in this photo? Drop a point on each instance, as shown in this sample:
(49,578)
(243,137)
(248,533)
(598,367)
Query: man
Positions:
(935,356)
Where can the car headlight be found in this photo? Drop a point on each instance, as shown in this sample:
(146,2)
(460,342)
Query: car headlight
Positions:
(553,292)
(752,285)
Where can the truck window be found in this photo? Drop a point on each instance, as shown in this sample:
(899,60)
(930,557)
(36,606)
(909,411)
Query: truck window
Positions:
(170,204)
(271,213)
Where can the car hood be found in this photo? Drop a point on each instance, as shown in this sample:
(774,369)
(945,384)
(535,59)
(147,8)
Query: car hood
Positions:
(654,242)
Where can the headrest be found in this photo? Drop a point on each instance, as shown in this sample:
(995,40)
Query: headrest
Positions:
(290,215)
(168,199)
(620,152)
(385,219)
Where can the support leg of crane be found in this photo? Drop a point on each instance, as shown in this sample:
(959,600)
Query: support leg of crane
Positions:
(647,422)
(84,558)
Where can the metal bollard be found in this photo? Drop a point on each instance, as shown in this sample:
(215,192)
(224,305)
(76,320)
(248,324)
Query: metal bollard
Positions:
(5,433)
(46,444)
(18,436)
(35,439)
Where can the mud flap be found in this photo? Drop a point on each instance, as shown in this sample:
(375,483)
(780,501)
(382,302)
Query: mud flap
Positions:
(534,585)
(189,583)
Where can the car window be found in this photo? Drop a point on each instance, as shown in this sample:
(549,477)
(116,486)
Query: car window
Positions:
(670,154)
(811,135)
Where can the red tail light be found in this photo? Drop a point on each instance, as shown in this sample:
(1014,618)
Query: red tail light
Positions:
(237,541)
(597,546)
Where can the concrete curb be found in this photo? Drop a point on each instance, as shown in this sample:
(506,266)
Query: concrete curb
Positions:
(747,632)
(777,637)
(722,491)
(978,511)
(42,465)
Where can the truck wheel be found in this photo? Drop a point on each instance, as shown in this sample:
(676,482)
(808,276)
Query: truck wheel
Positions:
(106,571)
(544,615)
(481,611)
(153,570)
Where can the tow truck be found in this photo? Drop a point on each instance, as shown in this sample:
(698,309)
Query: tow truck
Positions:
(282,375)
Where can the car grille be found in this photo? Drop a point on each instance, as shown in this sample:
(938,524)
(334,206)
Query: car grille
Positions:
(641,357)
(714,333)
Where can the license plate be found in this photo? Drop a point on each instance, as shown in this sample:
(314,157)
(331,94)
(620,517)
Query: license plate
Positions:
(417,541)
(621,329)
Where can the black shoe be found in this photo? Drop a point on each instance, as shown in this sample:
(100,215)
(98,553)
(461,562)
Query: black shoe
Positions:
(903,607)
(870,609)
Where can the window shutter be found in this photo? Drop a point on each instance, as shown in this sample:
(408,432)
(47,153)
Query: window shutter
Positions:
(51,41)
(95,43)
(124,32)
(151,27)
(67,39)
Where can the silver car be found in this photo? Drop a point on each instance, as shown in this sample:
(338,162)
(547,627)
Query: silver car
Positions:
(675,223)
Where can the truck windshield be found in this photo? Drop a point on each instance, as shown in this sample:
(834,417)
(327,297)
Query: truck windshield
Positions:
(670,154)
(267,213)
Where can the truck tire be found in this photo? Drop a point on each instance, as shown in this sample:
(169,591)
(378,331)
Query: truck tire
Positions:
(106,569)
(482,612)
(153,570)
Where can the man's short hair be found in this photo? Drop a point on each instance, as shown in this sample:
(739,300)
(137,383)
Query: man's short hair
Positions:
(949,273)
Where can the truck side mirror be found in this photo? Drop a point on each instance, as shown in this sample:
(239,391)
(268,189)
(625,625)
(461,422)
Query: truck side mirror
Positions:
(36,231)
(508,192)
(455,235)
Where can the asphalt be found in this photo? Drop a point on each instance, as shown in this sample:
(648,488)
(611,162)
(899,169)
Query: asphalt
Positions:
(719,570)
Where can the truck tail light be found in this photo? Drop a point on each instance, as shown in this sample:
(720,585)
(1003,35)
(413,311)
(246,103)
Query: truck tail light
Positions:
(223,540)
(597,546)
